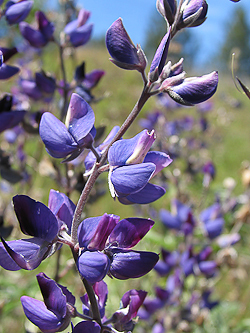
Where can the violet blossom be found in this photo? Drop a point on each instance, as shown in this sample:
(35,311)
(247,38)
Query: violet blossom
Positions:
(69,139)
(55,313)
(40,36)
(78,30)
(132,166)
(105,247)
(16,10)
(122,50)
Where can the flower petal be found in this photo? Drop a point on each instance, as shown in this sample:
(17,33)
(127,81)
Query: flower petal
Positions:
(87,327)
(148,194)
(62,207)
(132,150)
(17,12)
(10,119)
(23,253)
(128,232)
(131,264)
(195,90)
(161,160)
(80,117)
(58,141)
(35,218)
(33,36)
(121,48)
(7,71)
(53,296)
(93,266)
(81,35)
(102,232)
(161,53)
(131,179)
(39,315)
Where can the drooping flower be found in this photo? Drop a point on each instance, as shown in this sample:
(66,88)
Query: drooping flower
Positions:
(78,31)
(69,139)
(16,11)
(192,90)
(131,302)
(55,313)
(42,35)
(106,248)
(122,50)
(132,167)
(45,225)
(193,14)
(36,220)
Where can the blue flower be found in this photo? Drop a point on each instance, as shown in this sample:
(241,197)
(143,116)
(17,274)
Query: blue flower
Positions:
(132,167)
(69,139)
(55,313)
(106,244)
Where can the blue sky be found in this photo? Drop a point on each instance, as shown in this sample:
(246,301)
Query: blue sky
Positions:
(136,16)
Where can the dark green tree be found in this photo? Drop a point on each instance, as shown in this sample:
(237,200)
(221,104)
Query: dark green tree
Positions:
(237,41)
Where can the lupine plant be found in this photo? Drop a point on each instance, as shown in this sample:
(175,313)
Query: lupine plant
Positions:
(135,167)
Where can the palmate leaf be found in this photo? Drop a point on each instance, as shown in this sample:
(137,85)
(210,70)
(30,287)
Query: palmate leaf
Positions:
(244,88)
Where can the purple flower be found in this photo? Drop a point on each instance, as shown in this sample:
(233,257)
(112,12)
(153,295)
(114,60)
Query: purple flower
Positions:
(130,303)
(69,139)
(132,166)
(16,10)
(213,220)
(105,247)
(78,31)
(181,219)
(36,220)
(55,313)
(122,50)
(42,86)
(193,14)
(191,90)
(42,35)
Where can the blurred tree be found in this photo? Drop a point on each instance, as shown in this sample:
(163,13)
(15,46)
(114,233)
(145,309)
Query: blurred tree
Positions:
(237,40)
(184,44)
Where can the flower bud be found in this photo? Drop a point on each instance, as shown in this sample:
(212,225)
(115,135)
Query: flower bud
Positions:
(167,8)
(193,90)
(122,50)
